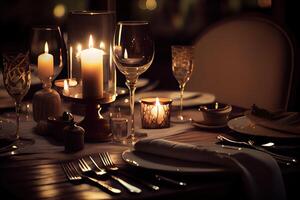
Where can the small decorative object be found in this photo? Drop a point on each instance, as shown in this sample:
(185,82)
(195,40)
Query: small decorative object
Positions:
(74,138)
(215,113)
(47,58)
(56,125)
(155,112)
(90,36)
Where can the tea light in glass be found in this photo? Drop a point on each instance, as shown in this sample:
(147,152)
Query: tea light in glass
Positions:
(155,112)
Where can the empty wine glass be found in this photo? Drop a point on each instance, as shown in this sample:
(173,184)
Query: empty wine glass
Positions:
(133,53)
(182,67)
(17,79)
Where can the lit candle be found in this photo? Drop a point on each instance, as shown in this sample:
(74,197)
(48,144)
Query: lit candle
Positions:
(155,112)
(45,65)
(66,88)
(71,63)
(92,71)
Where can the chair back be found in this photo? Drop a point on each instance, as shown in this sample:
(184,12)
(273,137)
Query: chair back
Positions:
(244,61)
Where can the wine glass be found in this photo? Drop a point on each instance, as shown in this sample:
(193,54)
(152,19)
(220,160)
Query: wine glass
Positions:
(182,67)
(17,80)
(47,47)
(133,53)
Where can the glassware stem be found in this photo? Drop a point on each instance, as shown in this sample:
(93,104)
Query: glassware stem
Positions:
(18,110)
(131,86)
(181,87)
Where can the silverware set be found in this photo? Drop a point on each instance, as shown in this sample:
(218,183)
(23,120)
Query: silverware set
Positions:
(287,160)
(83,171)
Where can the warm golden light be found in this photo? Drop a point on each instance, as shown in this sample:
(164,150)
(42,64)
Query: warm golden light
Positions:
(79,48)
(66,87)
(91,42)
(151,4)
(102,45)
(46,48)
(125,54)
(157,102)
(59,10)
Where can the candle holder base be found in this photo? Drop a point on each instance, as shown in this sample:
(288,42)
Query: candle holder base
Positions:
(97,129)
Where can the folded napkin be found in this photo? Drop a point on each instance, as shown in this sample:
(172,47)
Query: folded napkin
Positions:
(260,173)
(281,121)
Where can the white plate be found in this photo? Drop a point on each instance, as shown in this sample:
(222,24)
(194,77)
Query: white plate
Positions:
(244,125)
(148,161)
(189,98)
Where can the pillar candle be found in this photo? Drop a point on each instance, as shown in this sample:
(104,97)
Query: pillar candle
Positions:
(92,71)
(45,65)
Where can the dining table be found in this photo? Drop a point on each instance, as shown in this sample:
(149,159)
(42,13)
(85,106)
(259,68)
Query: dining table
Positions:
(35,172)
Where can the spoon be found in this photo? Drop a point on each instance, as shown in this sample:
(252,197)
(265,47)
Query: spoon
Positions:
(251,144)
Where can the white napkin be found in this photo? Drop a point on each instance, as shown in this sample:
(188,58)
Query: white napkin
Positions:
(260,173)
(282,121)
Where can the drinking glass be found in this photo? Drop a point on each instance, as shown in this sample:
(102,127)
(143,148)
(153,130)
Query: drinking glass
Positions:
(182,67)
(133,53)
(47,42)
(17,79)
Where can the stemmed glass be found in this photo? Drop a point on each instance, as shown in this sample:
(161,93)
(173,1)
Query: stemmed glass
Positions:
(133,53)
(182,67)
(48,42)
(17,80)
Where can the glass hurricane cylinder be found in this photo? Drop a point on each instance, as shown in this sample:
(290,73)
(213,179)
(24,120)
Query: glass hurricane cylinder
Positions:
(83,54)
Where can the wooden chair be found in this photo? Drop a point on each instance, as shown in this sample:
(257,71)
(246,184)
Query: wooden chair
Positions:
(244,61)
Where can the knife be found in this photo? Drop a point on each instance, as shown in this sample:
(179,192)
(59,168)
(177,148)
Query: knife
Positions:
(169,180)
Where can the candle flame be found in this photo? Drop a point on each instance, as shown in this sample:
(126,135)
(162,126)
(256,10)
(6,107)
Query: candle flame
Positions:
(102,45)
(66,86)
(91,42)
(157,102)
(125,54)
(46,48)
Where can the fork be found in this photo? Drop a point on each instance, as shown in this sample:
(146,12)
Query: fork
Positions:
(86,168)
(109,164)
(74,175)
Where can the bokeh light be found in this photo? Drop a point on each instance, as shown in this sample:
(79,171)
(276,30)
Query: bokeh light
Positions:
(59,11)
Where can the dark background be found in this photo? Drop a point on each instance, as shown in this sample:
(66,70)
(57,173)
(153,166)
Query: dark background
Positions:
(172,21)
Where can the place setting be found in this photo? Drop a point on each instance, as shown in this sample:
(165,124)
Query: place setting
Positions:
(77,133)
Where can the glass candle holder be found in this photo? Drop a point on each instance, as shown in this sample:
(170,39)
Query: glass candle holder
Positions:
(90,36)
(155,112)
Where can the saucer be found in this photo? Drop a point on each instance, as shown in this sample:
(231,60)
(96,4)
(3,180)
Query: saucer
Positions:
(205,126)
